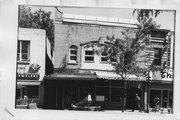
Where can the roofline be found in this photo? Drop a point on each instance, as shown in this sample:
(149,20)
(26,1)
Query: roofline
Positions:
(163,30)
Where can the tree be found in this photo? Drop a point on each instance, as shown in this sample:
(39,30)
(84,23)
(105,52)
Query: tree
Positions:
(125,51)
(38,19)
(146,13)
(150,14)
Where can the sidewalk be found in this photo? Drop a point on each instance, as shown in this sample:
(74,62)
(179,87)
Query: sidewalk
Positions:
(87,115)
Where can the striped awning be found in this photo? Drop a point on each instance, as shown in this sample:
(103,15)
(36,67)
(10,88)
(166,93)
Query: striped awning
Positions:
(115,76)
(107,75)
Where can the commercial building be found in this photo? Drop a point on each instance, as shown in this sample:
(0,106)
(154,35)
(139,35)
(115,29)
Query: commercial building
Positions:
(34,61)
(78,71)
(161,81)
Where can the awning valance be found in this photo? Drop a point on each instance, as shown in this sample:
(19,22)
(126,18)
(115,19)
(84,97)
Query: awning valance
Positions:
(115,76)
(30,83)
(56,76)
(107,75)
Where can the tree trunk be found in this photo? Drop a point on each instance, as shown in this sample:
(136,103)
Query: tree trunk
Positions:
(124,97)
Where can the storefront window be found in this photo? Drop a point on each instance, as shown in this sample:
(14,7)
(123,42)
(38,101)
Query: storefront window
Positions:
(18,93)
(103,83)
(71,94)
(117,83)
(170,99)
(165,97)
(104,92)
(116,94)
(153,95)
(84,91)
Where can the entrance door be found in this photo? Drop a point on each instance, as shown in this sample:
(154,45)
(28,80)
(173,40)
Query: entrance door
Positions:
(59,104)
(130,97)
(70,96)
(50,97)
(165,98)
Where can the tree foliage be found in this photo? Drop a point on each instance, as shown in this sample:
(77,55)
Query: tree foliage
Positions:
(38,19)
(149,14)
(146,13)
(126,49)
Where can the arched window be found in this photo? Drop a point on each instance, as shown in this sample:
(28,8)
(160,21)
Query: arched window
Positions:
(73,54)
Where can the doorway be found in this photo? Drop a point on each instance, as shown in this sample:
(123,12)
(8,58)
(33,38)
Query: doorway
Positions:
(130,97)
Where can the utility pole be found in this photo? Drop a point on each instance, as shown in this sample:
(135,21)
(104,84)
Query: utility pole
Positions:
(148,80)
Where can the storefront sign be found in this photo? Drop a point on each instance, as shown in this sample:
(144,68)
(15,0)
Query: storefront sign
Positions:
(28,72)
(166,75)
(28,76)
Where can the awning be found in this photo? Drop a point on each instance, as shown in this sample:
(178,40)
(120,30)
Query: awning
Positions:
(94,76)
(57,76)
(115,76)
(107,75)
(31,83)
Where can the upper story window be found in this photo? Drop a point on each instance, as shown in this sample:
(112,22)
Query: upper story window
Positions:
(157,56)
(89,56)
(23,53)
(114,60)
(104,57)
(73,54)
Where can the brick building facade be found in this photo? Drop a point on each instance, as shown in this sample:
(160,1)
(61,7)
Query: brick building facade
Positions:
(78,71)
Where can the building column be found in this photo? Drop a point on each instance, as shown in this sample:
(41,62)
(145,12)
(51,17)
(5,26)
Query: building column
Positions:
(145,100)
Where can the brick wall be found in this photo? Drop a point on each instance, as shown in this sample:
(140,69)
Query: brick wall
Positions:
(67,34)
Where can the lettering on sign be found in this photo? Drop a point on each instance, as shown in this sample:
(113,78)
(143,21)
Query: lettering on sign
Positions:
(166,75)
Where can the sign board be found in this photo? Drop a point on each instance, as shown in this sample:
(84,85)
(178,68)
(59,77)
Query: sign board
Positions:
(165,75)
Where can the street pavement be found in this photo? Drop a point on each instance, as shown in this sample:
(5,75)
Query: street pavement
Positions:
(27,114)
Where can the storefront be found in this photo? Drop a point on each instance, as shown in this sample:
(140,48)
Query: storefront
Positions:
(164,91)
(161,86)
(107,90)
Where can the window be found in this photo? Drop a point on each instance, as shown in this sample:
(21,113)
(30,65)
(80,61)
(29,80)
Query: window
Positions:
(165,96)
(157,56)
(104,57)
(73,54)
(113,60)
(18,93)
(89,56)
(23,53)
(116,94)
(32,92)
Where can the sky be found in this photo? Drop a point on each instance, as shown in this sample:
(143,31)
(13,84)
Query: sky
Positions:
(165,19)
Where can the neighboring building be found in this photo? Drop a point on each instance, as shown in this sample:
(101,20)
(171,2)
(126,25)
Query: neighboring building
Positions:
(34,61)
(79,71)
(161,82)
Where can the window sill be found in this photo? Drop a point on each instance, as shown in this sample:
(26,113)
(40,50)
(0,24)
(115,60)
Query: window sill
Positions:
(23,62)
(88,61)
(72,63)
(104,62)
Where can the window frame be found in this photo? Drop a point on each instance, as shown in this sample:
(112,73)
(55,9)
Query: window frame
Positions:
(89,56)
(103,56)
(20,51)
(157,58)
(112,60)
(73,48)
